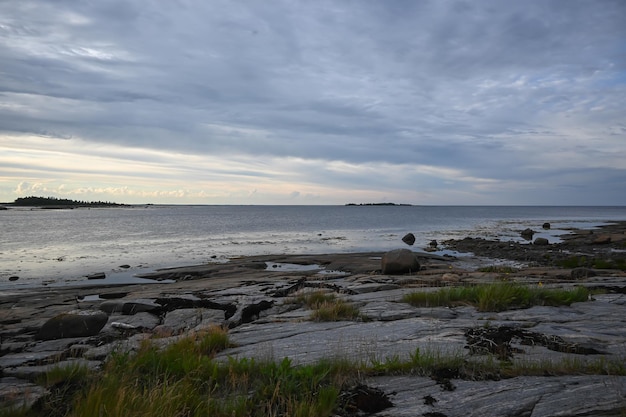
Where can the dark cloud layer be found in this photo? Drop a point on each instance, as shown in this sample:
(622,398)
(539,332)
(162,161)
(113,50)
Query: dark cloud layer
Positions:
(506,92)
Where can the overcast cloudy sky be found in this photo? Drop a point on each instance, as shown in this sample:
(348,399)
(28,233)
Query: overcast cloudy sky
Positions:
(314,102)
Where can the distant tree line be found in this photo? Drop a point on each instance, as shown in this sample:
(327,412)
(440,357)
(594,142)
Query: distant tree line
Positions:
(60,202)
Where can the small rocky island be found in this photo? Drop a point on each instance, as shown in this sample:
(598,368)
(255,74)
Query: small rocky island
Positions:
(379,204)
(524,357)
(60,203)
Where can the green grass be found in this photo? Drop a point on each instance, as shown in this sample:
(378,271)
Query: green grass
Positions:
(500,269)
(420,362)
(184,379)
(244,387)
(597,263)
(62,383)
(497,297)
(336,310)
(314,299)
(569,365)
(327,307)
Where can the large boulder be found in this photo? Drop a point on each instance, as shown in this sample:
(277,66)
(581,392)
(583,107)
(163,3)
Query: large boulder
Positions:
(76,323)
(541,241)
(527,233)
(399,261)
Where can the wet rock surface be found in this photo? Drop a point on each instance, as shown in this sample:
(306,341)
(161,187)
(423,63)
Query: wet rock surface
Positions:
(606,246)
(257,304)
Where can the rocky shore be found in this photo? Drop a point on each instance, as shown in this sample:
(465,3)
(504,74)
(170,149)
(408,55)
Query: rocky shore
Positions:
(253,297)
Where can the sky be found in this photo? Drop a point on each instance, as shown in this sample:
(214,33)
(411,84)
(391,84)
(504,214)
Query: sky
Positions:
(478,102)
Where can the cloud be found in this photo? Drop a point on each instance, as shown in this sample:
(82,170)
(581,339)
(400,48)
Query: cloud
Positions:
(381,98)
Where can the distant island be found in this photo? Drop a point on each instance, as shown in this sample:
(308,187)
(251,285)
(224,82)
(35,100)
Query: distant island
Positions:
(53,202)
(378,204)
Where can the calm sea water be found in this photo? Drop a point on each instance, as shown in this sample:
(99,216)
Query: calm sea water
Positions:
(53,247)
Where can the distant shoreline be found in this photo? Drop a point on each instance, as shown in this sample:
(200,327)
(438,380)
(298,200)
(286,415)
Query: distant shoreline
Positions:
(53,203)
(378,204)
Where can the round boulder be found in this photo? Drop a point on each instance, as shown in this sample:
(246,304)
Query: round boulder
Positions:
(399,261)
(409,239)
(546,225)
(76,323)
(541,241)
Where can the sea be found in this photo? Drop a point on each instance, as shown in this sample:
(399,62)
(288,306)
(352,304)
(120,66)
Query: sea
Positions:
(48,248)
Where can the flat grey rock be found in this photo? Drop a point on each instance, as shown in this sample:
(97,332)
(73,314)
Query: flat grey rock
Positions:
(387,311)
(190,318)
(373,287)
(125,345)
(16,393)
(24,358)
(575,396)
(139,321)
(33,372)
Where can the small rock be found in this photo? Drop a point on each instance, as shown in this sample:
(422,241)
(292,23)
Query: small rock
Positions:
(409,239)
(546,226)
(99,275)
(14,278)
(527,233)
(433,244)
(541,241)
(122,326)
(124,266)
(141,321)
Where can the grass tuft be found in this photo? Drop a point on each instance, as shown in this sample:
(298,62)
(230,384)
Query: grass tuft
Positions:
(327,307)
(336,310)
(500,269)
(497,297)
